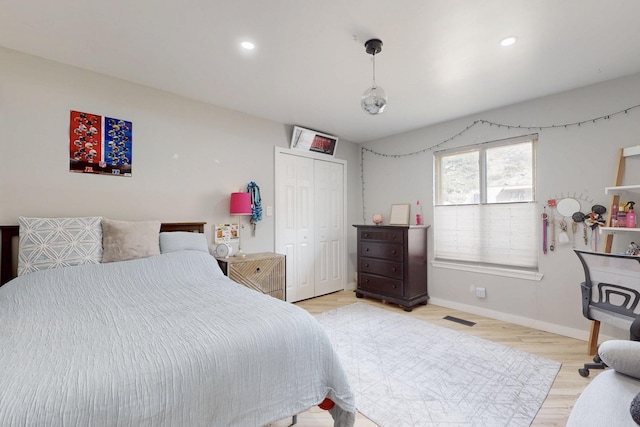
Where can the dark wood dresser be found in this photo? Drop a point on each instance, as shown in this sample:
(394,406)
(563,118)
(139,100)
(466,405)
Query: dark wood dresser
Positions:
(392,264)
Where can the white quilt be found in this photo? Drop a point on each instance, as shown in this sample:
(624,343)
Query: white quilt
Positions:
(162,341)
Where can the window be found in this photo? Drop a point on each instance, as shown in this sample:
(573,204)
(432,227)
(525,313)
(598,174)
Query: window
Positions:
(484,210)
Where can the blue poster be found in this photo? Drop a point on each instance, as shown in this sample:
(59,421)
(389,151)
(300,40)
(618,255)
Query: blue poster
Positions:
(118,145)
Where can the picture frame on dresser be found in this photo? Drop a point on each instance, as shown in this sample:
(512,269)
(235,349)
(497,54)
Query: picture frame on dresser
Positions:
(400,214)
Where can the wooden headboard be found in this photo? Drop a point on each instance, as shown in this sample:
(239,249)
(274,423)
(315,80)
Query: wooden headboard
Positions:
(9,251)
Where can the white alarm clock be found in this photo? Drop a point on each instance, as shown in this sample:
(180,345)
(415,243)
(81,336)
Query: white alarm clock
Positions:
(223,250)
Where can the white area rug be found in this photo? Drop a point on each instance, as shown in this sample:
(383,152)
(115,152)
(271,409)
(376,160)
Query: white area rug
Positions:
(408,372)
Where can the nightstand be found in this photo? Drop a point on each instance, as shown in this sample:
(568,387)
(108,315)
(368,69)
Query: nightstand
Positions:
(263,272)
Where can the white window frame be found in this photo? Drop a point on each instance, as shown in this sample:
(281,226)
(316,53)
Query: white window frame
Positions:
(491,237)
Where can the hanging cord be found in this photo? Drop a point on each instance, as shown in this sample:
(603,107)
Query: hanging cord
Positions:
(256,204)
(374,70)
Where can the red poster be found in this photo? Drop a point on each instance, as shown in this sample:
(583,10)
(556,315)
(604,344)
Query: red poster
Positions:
(85,142)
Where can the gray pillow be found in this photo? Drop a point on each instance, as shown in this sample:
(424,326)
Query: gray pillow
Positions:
(635,409)
(621,355)
(46,243)
(174,241)
(125,240)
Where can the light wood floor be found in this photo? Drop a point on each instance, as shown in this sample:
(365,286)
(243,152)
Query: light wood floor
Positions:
(570,352)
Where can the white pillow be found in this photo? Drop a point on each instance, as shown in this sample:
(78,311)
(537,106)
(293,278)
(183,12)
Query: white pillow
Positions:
(125,240)
(46,243)
(174,241)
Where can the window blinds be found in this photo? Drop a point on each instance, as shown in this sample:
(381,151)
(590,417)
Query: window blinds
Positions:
(500,234)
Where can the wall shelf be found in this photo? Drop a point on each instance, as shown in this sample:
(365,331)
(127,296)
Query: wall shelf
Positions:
(622,188)
(614,230)
(615,193)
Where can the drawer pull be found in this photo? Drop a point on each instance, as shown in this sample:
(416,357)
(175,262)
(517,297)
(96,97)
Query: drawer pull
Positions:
(393,252)
(365,235)
(366,265)
(366,250)
(394,269)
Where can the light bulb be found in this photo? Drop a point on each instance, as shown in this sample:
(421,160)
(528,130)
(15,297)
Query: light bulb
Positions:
(374,100)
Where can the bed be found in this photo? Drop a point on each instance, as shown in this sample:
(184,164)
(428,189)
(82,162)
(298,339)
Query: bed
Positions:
(163,340)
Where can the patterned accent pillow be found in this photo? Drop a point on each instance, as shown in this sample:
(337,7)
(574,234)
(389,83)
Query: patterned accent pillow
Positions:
(58,242)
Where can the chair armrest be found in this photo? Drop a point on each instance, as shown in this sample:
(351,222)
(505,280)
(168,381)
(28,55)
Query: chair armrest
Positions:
(621,355)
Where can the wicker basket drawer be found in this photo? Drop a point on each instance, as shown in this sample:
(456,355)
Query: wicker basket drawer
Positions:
(263,272)
(383,285)
(391,269)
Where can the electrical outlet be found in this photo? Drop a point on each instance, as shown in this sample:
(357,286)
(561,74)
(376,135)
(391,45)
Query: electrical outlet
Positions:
(481,293)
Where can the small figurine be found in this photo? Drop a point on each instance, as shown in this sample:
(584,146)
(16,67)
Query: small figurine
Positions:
(633,249)
(595,218)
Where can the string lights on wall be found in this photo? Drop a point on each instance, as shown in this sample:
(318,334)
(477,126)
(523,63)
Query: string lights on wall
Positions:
(475,123)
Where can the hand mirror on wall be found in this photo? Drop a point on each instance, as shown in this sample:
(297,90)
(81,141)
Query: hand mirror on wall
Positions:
(578,217)
(568,206)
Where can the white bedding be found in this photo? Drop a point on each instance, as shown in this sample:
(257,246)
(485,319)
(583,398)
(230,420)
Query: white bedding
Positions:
(161,341)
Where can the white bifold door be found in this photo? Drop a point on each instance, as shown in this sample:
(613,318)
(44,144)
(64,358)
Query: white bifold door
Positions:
(310,218)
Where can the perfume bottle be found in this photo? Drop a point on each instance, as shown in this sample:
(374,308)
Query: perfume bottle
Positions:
(418,213)
(631,216)
(614,215)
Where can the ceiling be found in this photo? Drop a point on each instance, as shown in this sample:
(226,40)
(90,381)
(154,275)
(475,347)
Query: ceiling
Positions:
(441,59)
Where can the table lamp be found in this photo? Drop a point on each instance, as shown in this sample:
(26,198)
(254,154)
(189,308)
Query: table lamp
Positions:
(240,204)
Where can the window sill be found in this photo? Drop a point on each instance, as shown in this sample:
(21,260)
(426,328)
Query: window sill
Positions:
(496,271)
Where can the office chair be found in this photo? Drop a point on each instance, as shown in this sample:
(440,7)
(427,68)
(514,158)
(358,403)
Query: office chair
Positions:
(610,294)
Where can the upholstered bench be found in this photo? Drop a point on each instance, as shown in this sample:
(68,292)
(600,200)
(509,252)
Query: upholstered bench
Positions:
(609,397)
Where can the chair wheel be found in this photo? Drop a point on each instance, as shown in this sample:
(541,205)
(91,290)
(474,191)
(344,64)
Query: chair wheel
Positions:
(583,372)
(597,359)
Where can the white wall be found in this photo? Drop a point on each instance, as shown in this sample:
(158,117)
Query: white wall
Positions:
(187,156)
(570,161)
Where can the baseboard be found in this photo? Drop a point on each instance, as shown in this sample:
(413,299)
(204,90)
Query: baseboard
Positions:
(519,320)
(350,286)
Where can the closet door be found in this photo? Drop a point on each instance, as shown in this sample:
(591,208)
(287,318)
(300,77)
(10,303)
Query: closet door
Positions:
(329,227)
(310,223)
(294,223)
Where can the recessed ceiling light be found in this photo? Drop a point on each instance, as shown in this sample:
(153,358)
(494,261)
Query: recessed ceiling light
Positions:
(247,45)
(508,41)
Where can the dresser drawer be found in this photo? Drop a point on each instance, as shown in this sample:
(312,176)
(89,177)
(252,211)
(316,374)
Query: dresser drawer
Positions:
(388,251)
(383,268)
(395,236)
(383,285)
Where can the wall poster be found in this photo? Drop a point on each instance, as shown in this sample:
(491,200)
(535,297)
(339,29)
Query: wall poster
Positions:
(99,145)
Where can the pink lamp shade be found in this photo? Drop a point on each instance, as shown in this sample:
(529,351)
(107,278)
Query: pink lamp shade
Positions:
(240,204)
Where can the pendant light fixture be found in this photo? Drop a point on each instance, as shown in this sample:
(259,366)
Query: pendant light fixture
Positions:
(374,99)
